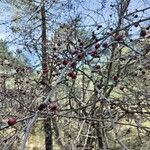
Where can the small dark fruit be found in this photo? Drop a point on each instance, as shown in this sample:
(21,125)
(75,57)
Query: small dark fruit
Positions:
(140,68)
(105,45)
(115,78)
(136,24)
(58,44)
(42,106)
(121,88)
(143,33)
(54,48)
(81,44)
(12,121)
(73,64)
(119,38)
(45,71)
(97,45)
(72,75)
(94,53)
(99,26)
(65,62)
(53,106)
(80,55)
(97,67)
(143,72)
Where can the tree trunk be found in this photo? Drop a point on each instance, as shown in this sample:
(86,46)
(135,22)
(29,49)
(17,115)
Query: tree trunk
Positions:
(47,122)
(99,138)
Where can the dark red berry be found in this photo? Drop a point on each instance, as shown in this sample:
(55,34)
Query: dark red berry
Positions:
(45,71)
(81,44)
(18,70)
(73,64)
(65,62)
(97,67)
(42,106)
(53,106)
(80,55)
(105,45)
(94,53)
(115,78)
(12,121)
(143,33)
(97,45)
(119,38)
(72,74)
(136,24)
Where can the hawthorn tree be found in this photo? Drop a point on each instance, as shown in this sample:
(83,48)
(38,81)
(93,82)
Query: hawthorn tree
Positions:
(92,86)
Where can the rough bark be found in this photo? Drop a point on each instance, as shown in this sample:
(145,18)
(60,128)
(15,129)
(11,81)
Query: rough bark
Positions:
(47,122)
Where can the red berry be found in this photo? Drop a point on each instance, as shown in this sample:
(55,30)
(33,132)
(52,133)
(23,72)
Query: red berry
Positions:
(42,82)
(97,45)
(12,121)
(97,67)
(53,106)
(18,70)
(65,62)
(69,74)
(81,44)
(72,74)
(105,45)
(136,24)
(73,64)
(94,53)
(80,55)
(119,38)
(143,33)
(115,78)
(45,71)
(42,106)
